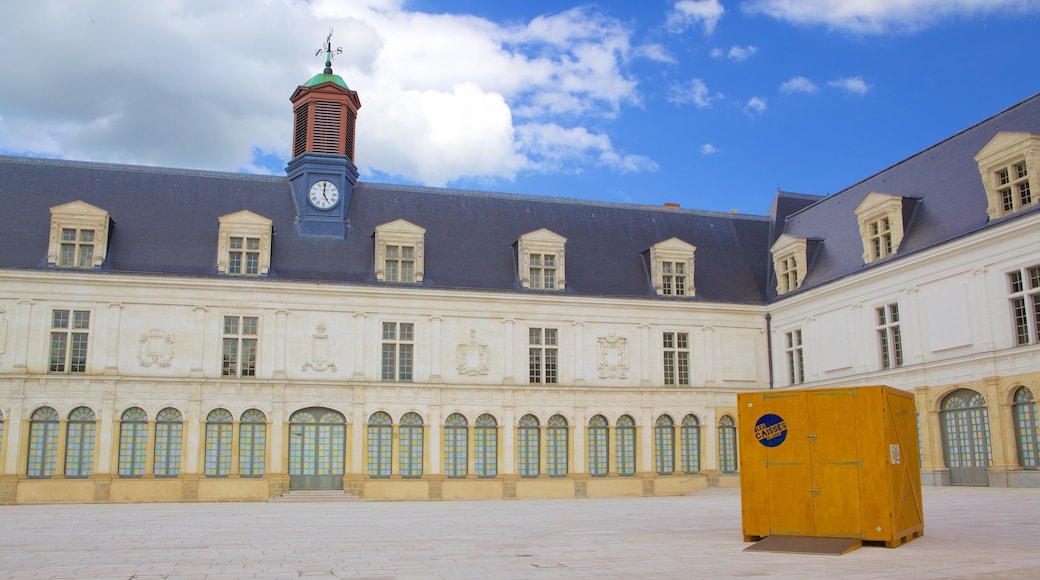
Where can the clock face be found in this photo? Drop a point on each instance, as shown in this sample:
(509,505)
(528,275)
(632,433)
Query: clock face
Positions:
(324,194)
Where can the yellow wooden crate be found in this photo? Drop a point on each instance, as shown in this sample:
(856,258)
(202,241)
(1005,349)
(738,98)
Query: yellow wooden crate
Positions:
(837,463)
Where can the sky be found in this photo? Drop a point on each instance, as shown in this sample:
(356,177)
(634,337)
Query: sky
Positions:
(712,104)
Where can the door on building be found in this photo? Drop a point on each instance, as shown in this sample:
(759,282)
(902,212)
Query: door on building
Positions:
(965,436)
(317,444)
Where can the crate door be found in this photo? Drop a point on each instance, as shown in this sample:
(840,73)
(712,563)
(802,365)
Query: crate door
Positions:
(835,464)
(787,465)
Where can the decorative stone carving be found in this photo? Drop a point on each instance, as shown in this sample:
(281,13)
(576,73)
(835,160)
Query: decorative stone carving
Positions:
(321,351)
(612,358)
(471,358)
(156,348)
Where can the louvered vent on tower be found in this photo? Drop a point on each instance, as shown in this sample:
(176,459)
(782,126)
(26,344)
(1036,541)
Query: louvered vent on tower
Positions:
(328,119)
(348,137)
(300,131)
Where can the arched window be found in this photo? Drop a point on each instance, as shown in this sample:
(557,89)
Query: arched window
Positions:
(169,437)
(966,440)
(625,435)
(79,443)
(317,448)
(556,446)
(528,446)
(252,443)
(664,445)
(380,444)
(727,445)
(133,442)
(485,439)
(456,445)
(219,434)
(599,430)
(690,443)
(43,442)
(1024,412)
(411,438)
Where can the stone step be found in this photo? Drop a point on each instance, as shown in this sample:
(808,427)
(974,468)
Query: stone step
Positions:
(315,495)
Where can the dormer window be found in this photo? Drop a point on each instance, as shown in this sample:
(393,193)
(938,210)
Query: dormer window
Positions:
(1009,165)
(79,235)
(880,217)
(789,262)
(244,244)
(541,260)
(671,267)
(400,252)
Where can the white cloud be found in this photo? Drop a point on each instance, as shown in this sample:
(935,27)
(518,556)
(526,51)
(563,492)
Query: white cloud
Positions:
(655,52)
(708,149)
(552,148)
(756,105)
(695,92)
(881,16)
(193,83)
(798,85)
(854,85)
(717,53)
(688,13)
(742,52)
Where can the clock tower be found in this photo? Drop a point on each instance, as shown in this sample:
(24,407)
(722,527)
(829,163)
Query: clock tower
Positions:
(322,171)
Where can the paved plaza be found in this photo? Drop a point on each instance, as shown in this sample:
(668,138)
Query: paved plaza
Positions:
(969,533)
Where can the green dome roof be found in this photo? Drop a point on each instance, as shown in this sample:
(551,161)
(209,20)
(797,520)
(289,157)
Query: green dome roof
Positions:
(326,78)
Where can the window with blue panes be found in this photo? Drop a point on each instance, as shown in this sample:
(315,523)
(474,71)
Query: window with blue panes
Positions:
(219,435)
(410,434)
(1025,414)
(599,430)
(556,456)
(727,445)
(380,444)
(485,442)
(664,445)
(43,442)
(625,435)
(690,444)
(133,442)
(79,443)
(252,443)
(456,445)
(169,438)
(528,444)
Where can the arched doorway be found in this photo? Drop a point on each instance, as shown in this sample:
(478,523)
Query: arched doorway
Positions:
(317,444)
(965,436)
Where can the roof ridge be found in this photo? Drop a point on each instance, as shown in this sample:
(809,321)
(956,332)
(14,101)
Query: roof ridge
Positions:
(138,168)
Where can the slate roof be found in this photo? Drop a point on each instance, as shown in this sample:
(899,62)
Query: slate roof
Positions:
(942,182)
(164,221)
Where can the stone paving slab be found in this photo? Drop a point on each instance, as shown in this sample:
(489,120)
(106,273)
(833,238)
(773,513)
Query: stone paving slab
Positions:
(969,533)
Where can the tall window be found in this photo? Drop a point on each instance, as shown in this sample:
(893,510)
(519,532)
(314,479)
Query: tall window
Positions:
(543,271)
(890,341)
(690,442)
(411,446)
(676,358)
(252,444)
(219,434)
(599,432)
(795,361)
(664,445)
(787,274)
(133,442)
(1026,427)
(1013,187)
(400,264)
(43,442)
(625,434)
(528,445)
(456,445)
(77,248)
(673,278)
(1025,304)
(965,423)
(79,443)
(380,444)
(243,256)
(880,238)
(556,457)
(398,349)
(169,438)
(485,441)
(542,356)
(70,331)
(727,445)
(239,352)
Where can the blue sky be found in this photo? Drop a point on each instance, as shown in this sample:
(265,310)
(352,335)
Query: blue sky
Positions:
(708,103)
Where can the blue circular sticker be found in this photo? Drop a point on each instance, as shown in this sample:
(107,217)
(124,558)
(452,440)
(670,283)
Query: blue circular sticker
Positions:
(771,430)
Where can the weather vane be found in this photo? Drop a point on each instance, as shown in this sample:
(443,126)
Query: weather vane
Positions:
(329,51)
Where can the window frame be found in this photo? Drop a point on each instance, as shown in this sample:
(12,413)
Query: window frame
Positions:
(541,243)
(74,334)
(240,350)
(675,358)
(1004,152)
(399,234)
(1024,303)
(794,353)
(543,356)
(395,367)
(244,225)
(877,210)
(78,216)
(790,263)
(673,252)
(889,335)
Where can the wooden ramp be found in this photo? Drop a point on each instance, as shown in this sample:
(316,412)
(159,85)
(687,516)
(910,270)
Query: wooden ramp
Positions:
(805,545)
